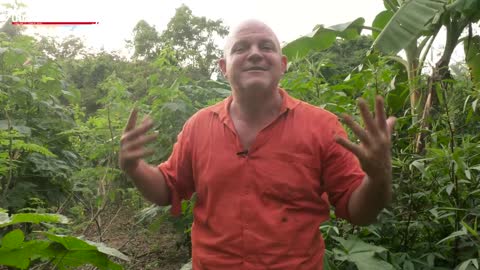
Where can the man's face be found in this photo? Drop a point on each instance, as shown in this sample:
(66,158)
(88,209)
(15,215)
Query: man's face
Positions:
(253,59)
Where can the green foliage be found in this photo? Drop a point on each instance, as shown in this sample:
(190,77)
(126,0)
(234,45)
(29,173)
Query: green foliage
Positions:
(408,23)
(472,57)
(60,251)
(7,220)
(363,255)
(322,38)
(145,41)
(193,39)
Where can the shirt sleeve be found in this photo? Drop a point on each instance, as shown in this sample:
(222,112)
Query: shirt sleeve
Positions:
(177,170)
(341,172)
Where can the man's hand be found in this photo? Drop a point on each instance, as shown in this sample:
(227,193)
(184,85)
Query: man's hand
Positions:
(133,141)
(374,150)
(374,155)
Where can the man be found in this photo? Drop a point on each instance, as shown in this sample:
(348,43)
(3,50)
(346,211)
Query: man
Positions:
(260,161)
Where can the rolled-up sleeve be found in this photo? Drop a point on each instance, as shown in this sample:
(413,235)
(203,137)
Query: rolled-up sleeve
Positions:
(177,170)
(341,172)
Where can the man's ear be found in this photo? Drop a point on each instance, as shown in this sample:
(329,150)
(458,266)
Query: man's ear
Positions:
(284,64)
(223,66)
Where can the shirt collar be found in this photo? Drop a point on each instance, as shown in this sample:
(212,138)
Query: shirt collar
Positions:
(221,108)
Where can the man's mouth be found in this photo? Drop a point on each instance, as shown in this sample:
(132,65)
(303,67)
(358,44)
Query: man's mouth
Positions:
(255,69)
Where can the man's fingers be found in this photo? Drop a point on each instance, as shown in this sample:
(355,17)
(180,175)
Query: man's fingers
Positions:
(138,154)
(380,115)
(367,116)
(356,128)
(354,148)
(132,120)
(140,130)
(140,141)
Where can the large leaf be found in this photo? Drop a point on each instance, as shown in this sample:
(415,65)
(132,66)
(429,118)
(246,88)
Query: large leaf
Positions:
(70,242)
(5,220)
(413,19)
(20,257)
(472,57)
(322,38)
(13,239)
(381,20)
(469,8)
(77,258)
(109,251)
(73,243)
(362,254)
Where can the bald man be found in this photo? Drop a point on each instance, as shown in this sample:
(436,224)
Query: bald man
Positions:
(260,162)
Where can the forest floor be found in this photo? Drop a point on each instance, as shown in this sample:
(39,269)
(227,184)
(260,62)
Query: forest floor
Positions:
(146,249)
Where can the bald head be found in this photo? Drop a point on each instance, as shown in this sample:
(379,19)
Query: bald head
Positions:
(249,26)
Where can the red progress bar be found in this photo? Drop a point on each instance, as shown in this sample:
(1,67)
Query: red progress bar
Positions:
(53,23)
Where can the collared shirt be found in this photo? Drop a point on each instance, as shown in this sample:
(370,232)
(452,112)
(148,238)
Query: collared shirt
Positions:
(261,209)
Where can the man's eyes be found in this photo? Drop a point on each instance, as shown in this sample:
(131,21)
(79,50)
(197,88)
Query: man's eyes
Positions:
(267,46)
(242,48)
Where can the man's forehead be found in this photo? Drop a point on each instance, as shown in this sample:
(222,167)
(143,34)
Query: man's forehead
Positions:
(253,28)
(250,29)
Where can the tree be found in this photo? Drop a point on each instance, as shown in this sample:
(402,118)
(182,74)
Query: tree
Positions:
(193,39)
(70,47)
(146,41)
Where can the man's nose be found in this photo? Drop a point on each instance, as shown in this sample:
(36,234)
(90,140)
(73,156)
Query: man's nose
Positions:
(255,54)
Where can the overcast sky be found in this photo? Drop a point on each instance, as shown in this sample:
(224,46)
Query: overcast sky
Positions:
(289,19)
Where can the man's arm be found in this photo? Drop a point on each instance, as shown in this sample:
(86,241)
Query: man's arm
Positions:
(151,183)
(368,200)
(374,154)
(148,179)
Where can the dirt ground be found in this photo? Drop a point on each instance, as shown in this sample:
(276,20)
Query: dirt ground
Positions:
(146,250)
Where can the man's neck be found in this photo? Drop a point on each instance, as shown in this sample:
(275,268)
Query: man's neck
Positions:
(256,107)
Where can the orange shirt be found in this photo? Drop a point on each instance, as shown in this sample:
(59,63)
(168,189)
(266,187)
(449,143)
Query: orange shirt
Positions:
(261,210)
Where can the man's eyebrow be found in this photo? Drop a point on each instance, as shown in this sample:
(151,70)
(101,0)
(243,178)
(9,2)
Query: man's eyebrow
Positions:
(267,40)
(270,42)
(239,43)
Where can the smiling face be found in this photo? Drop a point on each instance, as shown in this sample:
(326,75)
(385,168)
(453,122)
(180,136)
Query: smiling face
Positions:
(252,58)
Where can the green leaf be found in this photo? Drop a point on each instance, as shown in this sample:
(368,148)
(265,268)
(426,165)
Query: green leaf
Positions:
(14,258)
(13,239)
(381,20)
(70,242)
(31,218)
(469,8)
(408,265)
(4,218)
(449,189)
(472,57)
(470,229)
(362,254)
(419,164)
(453,235)
(29,251)
(45,79)
(408,24)
(109,251)
(322,38)
(466,265)
(175,106)
(77,258)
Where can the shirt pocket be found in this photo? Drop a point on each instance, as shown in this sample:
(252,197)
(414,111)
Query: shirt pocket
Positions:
(292,177)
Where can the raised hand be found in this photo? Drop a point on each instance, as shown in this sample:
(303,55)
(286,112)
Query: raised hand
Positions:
(132,143)
(374,150)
